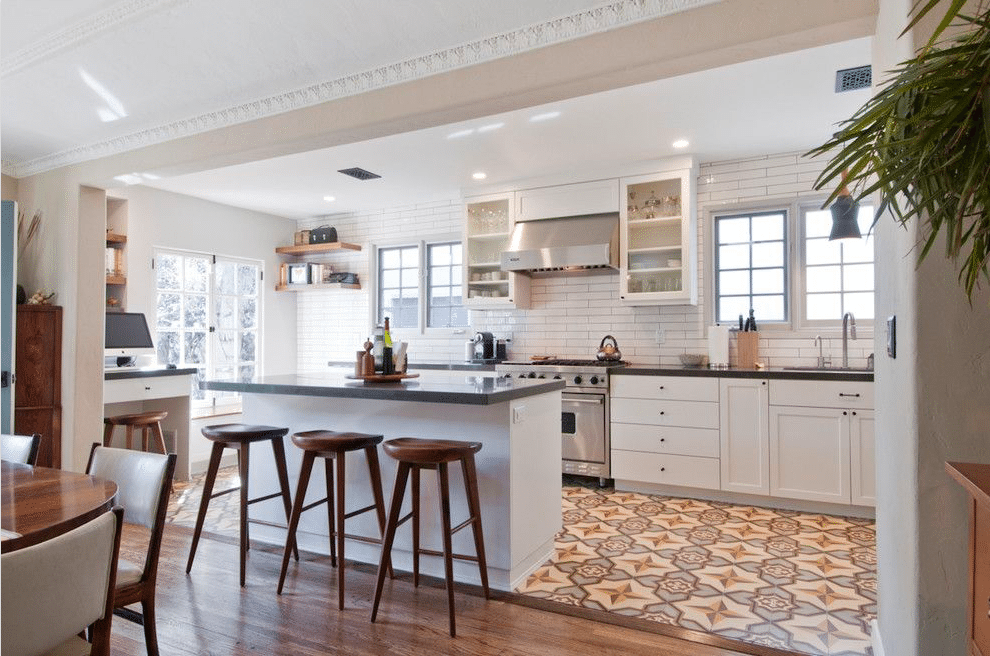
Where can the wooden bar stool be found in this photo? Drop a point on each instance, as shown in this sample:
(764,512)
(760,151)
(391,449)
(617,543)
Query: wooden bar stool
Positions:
(150,424)
(334,446)
(415,455)
(240,437)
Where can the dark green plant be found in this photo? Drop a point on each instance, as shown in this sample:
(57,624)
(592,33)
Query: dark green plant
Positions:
(923,143)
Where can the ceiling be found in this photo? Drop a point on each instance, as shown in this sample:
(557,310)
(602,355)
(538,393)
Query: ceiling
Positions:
(778,104)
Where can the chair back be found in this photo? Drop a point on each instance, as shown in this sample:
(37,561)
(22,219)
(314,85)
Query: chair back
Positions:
(53,590)
(20,448)
(144,482)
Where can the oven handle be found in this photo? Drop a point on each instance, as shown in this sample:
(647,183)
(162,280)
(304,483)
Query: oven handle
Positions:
(598,401)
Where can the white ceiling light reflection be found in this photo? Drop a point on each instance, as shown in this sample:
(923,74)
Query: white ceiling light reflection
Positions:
(681,143)
(491,127)
(545,116)
(136,178)
(329,199)
(479,175)
(460,133)
(115,109)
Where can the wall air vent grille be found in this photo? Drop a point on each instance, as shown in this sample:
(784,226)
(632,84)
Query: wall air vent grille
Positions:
(359,173)
(850,79)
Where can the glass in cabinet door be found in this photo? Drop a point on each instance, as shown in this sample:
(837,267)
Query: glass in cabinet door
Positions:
(488,226)
(654,239)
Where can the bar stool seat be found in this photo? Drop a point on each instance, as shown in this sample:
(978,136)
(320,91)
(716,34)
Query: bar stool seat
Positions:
(414,455)
(331,445)
(150,424)
(240,437)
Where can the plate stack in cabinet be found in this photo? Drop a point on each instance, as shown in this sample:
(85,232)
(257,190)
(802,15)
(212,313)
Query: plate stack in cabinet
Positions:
(821,441)
(658,263)
(665,430)
(488,222)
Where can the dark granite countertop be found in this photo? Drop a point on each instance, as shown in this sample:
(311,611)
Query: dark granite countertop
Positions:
(430,387)
(121,373)
(772,372)
(433,366)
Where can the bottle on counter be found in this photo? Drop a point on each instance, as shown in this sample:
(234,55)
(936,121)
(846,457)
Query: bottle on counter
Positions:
(378,339)
(387,336)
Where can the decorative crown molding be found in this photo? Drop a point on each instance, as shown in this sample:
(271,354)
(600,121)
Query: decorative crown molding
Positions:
(584,23)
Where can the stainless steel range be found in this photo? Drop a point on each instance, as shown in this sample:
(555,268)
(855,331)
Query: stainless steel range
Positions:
(584,412)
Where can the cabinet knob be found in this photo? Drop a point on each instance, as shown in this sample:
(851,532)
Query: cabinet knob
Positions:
(844,412)
(661,412)
(148,389)
(763,383)
(663,469)
(663,439)
(854,414)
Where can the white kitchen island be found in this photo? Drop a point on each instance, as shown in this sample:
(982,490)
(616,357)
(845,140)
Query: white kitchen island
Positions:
(517,421)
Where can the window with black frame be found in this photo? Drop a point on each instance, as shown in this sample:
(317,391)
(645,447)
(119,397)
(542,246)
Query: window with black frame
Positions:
(751,266)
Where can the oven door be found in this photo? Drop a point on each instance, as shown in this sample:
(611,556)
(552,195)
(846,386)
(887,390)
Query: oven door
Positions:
(582,420)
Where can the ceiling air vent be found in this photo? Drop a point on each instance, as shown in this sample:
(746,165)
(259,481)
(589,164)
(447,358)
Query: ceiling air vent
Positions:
(359,173)
(849,79)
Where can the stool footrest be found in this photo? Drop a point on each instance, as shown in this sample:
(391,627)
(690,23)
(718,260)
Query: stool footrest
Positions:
(227,491)
(265,522)
(403,520)
(265,498)
(354,513)
(466,522)
(431,552)
(314,504)
(361,538)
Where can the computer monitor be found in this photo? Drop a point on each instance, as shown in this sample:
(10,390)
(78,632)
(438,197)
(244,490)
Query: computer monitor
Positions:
(127,336)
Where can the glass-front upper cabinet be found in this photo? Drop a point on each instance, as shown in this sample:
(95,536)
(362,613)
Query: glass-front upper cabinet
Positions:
(488,222)
(659,253)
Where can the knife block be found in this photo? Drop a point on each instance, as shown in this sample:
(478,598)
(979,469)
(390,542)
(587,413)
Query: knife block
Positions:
(747,349)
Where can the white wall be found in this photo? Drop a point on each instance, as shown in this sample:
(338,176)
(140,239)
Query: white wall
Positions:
(569,314)
(163,219)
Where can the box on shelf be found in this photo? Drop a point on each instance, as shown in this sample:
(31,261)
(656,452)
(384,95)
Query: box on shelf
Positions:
(301,237)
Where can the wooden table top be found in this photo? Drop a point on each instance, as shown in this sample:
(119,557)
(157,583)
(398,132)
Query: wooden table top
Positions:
(974,477)
(39,503)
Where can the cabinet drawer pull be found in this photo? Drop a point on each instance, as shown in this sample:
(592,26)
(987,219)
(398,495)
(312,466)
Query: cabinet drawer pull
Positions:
(851,395)
(663,469)
(661,412)
(663,439)
(147,389)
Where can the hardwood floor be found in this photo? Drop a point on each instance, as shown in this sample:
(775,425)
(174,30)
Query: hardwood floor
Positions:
(207,612)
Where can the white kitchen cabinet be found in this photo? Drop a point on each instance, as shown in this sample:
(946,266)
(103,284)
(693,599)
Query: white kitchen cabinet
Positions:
(595,197)
(693,388)
(488,222)
(745,435)
(659,239)
(665,469)
(809,453)
(862,458)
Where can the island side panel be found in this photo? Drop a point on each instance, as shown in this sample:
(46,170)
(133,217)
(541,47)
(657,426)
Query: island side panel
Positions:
(490,425)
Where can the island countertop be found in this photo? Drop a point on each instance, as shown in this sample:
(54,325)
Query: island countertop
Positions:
(430,387)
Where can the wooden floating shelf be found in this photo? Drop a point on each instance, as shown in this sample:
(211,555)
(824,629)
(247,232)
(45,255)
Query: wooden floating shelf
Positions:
(113,238)
(310,249)
(116,280)
(328,285)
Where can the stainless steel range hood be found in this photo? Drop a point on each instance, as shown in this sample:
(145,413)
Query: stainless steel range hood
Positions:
(576,243)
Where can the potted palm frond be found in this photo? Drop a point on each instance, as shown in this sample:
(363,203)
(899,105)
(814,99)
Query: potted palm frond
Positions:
(923,142)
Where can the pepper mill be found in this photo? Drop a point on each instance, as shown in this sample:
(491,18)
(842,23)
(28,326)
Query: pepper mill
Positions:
(368,360)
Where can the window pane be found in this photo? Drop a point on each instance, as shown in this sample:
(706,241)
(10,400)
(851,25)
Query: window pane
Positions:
(247,280)
(824,279)
(225,347)
(768,227)
(440,255)
(249,313)
(440,317)
(169,310)
(860,304)
(730,307)
(440,296)
(455,253)
(857,250)
(390,258)
(733,231)
(247,350)
(197,274)
(768,281)
(168,347)
(195,311)
(733,282)
(167,270)
(768,255)
(823,251)
(817,223)
(865,219)
(195,348)
(390,279)
(247,373)
(410,258)
(225,312)
(768,308)
(224,273)
(410,278)
(857,277)
(440,276)
(733,257)
(824,306)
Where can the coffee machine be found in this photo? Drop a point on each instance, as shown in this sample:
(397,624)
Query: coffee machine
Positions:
(484,347)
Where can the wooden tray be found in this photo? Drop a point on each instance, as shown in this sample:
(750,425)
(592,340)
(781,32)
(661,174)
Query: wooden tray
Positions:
(382,378)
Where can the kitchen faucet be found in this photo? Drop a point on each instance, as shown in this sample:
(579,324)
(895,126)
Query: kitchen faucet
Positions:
(848,328)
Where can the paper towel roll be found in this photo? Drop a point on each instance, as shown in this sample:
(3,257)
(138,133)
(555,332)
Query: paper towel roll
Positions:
(718,346)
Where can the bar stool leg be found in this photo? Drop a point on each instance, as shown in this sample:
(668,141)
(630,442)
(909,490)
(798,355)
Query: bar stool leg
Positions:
(331,514)
(283,481)
(415,525)
(145,434)
(290,539)
(159,436)
(474,506)
(130,435)
(211,477)
(401,475)
(448,561)
(243,467)
(375,472)
(107,434)
(341,511)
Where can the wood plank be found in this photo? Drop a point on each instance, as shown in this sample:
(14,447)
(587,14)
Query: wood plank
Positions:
(320,285)
(974,477)
(207,612)
(116,280)
(310,249)
(114,238)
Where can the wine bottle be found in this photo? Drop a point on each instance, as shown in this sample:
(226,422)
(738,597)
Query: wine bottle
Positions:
(387,337)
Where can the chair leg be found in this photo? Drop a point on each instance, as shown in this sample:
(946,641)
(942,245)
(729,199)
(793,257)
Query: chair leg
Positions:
(448,560)
(107,434)
(243,467)
(415,525)
(331,515)
(290,538)
(159,436)
(474,506)
(150,626)
(130,436)
(283,481)
(341,511)
(211,477)
(145,433)
(375,471)
(401,475)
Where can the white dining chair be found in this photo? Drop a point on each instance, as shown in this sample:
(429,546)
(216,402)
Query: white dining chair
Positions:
(20,448)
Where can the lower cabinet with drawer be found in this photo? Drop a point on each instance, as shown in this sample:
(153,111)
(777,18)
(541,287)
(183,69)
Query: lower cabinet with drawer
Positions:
(665,469)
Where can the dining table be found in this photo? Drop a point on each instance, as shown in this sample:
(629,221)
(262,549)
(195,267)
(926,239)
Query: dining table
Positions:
(38,503)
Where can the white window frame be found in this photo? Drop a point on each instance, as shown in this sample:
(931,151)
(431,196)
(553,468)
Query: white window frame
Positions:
(422,309)
(228,405)
(796,325)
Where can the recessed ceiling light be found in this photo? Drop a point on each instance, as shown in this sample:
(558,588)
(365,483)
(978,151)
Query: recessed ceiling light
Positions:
(460,133)
(329,199)
(546,116)
(479,175)
(490,127)
(681,143)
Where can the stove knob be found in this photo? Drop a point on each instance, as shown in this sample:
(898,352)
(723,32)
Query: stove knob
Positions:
(541,376)
(594,380)
(532,374)
(522,375)
(557,377)
(507,376)
(577,380)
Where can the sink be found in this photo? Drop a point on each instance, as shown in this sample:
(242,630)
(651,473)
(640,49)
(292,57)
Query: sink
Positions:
(837,370)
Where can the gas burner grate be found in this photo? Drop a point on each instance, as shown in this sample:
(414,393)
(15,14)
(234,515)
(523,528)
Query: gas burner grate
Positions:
(580,363)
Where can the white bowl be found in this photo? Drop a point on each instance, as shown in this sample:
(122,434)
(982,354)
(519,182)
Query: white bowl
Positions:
(692,359)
